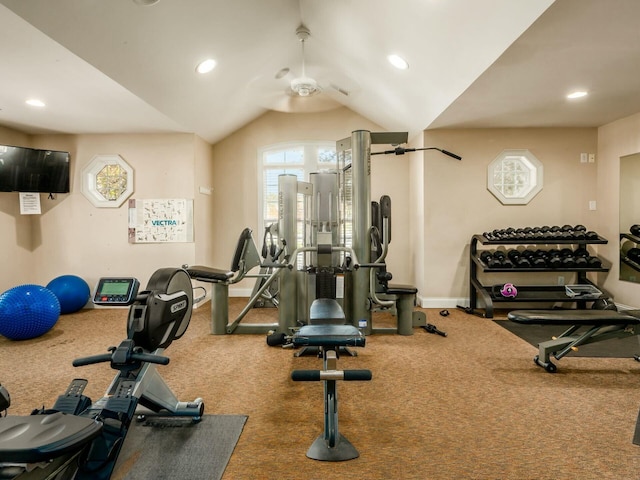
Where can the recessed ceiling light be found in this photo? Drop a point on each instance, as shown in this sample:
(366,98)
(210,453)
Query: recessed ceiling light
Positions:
(577,94)
(398,62)
(206,66)
(146,3)
(34,102)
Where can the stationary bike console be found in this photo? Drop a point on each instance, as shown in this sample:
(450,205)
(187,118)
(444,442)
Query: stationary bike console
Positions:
(116,291)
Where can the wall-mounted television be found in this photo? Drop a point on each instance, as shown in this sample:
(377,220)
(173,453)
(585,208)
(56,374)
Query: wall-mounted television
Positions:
(32,170)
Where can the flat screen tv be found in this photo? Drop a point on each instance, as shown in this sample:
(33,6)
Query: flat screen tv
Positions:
(32,170)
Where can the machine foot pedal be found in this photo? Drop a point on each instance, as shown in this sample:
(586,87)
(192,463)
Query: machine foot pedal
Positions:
(73,401)
(76,387)
(125,389)
(123,400)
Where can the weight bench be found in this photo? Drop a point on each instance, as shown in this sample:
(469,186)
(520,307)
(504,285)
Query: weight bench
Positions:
(601,325)
(327,331)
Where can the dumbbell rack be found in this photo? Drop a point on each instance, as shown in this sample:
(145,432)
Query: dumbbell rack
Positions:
(526,293)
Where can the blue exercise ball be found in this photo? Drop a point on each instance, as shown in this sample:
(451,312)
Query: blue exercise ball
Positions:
(73,292)
(28,311)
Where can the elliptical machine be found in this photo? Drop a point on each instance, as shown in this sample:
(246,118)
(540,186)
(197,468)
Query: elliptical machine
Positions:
(81,439)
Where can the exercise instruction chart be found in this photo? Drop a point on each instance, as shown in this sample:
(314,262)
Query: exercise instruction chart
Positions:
(160,220)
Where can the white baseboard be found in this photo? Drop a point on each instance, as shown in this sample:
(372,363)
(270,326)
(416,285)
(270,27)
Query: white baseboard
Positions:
(444,302)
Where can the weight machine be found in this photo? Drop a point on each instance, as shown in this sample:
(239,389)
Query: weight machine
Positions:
(338,211)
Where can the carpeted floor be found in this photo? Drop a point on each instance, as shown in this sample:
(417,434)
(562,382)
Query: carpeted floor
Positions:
(469,406)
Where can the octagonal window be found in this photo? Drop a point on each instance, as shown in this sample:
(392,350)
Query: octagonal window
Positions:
(515,176)
(107,181)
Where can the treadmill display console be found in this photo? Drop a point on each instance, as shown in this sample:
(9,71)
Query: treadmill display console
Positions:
(116,291)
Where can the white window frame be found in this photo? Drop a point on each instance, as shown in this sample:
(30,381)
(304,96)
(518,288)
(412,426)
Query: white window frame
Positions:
(310,165)
(89,183)
(515,187)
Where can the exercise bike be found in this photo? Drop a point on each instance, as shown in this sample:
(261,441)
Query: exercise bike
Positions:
(81,439)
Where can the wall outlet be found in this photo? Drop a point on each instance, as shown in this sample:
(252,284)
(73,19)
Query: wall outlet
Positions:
(592,204)
(584,157)
(560,280)
(592,158)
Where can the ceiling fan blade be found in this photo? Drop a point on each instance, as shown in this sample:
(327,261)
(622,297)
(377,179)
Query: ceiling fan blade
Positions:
(338,89)
(297,104)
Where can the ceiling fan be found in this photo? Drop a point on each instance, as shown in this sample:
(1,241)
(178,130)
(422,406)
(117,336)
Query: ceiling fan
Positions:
(304,86)
(303,93)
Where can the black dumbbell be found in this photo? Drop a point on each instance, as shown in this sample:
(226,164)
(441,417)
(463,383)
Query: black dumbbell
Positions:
(634,254)
(518,260)
(594,262)
(537,260)
(554,259)
(581,252)
(499,255)
(568,261)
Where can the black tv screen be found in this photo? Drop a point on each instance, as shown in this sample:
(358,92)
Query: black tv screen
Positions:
(32,170)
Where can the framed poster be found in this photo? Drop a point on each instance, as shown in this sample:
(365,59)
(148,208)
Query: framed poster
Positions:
(160,220)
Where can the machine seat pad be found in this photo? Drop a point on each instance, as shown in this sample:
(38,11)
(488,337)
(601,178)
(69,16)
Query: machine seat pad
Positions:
(208,274)
(328,336)
(38,438)
(574,317)
(401,290)
(325,311)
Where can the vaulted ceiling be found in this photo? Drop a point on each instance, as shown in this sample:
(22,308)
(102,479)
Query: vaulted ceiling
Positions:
(124,66)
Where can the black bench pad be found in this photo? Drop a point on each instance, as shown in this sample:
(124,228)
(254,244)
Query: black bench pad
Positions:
(38,438)
(574,317)
(393,289)
(208,274)
(328,336)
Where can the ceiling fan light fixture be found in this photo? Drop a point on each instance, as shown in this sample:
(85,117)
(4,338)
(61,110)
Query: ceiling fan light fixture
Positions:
(304,86)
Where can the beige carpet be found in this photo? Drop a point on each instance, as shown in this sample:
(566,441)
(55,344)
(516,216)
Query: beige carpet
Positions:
(469,406)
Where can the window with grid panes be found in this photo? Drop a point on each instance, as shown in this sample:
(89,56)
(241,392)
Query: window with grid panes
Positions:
(299,159)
